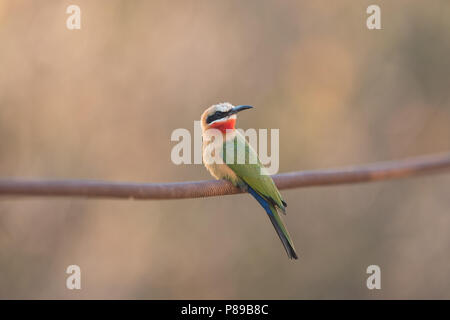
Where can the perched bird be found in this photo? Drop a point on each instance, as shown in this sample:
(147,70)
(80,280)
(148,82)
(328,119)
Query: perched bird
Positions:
(248,176)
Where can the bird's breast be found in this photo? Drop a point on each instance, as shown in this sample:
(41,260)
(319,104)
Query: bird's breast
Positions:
(212,152)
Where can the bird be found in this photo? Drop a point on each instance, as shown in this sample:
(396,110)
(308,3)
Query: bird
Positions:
(218,121)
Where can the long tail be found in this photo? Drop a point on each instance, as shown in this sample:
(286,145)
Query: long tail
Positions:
(277,223)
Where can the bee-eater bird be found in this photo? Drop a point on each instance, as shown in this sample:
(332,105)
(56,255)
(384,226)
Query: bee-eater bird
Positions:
(249,177)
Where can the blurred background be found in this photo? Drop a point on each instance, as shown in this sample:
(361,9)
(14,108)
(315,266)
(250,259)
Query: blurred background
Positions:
(102,102)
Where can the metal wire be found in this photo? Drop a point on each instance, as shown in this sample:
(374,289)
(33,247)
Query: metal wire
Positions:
(198,189)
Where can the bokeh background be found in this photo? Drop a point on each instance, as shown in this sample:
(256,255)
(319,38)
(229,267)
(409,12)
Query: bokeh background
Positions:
(102,102)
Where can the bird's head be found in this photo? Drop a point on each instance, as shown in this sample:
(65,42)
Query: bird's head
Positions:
(221,116)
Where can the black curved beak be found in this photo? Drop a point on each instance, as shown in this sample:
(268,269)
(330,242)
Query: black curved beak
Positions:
(238,109)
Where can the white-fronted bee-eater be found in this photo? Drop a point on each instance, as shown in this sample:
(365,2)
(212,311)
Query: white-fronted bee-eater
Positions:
(218,121)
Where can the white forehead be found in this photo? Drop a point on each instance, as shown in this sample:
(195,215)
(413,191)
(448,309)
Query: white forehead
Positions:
(223,107)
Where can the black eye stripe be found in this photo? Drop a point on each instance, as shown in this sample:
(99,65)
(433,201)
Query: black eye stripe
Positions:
(216,115)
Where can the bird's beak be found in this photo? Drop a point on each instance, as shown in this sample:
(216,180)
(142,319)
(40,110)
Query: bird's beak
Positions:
(238,109)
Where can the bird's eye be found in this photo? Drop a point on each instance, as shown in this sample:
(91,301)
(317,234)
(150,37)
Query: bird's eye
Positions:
(215,116)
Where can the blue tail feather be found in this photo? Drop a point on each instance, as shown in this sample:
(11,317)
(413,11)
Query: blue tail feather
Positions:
(270,212)
(263,202)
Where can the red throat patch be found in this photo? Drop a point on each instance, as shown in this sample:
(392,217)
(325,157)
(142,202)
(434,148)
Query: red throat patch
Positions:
(224,125)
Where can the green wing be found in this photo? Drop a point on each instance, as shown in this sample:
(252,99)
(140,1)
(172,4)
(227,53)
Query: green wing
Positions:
(253,174)
(259,184)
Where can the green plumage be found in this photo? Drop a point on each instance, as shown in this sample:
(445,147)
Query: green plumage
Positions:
(237,154)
